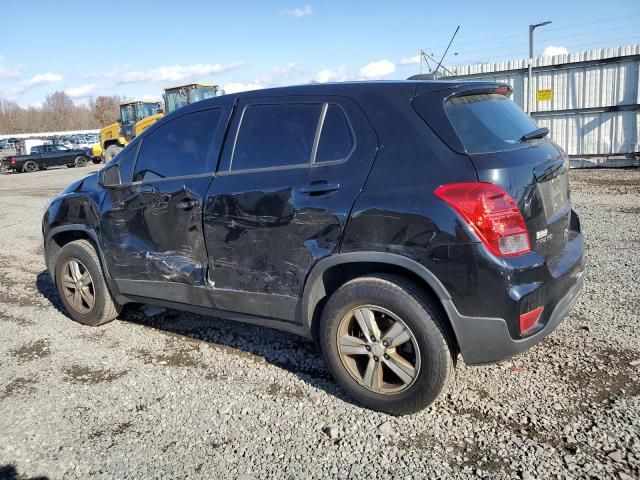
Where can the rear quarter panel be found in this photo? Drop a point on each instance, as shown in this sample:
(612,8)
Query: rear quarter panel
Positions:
(397,211)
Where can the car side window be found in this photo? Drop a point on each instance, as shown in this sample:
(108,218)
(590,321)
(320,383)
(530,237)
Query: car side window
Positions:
(336,138)
(275,135)
(178,148)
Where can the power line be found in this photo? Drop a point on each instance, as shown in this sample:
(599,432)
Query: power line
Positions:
(541,35)
(560,27)
(547,40)
(523,54)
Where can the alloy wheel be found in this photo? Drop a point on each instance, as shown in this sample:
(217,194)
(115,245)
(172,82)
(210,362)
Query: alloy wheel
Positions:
(78,286)
(378,349)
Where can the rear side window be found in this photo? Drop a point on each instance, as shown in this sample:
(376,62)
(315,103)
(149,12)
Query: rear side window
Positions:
(179,148)
(336,138)
(488,122)
(278,135)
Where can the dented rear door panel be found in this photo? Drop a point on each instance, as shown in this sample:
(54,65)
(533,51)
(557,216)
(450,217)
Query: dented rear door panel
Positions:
(264,229)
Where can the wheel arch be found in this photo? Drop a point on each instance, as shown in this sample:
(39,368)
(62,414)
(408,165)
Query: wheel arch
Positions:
(111,141)
(330,273)
(59,236)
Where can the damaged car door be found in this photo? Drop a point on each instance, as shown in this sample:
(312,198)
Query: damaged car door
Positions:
(153,225)
(289,173)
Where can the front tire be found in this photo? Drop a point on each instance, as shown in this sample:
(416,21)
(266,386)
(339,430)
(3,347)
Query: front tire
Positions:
(385,343)
(81,284)
(110,152)
(80,161)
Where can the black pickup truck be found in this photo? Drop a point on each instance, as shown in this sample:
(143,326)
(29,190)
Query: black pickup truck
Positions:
(42,157)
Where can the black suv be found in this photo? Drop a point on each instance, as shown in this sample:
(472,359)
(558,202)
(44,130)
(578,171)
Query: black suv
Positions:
(395,223)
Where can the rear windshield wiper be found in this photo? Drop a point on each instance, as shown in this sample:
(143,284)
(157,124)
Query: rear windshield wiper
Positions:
(538,133)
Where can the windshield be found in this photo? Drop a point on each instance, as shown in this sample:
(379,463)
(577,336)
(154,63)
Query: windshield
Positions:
(186,95)
(488,122)
(127,114)
(146,109)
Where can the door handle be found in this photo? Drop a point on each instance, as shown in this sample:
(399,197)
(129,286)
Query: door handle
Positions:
(187,204)
(318,188)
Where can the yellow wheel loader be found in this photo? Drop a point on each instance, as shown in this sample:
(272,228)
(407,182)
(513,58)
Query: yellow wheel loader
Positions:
(181,95)
(135,116)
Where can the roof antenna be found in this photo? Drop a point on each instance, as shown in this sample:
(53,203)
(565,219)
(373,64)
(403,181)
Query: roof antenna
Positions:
(435,72)
(428,57)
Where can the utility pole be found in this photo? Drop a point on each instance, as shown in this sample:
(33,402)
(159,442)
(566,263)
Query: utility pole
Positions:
(530,78)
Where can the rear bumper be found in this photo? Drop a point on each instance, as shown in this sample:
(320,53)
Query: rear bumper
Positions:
(487,340)
(494,334)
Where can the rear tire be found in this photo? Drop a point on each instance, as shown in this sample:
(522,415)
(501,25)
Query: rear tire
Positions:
(111,151)
(81,284)
(30,166)
(409,373)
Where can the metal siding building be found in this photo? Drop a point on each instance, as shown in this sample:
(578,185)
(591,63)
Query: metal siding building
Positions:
(589,101)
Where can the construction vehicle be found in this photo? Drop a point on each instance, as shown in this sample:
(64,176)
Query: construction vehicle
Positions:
(181,95)
(136,116)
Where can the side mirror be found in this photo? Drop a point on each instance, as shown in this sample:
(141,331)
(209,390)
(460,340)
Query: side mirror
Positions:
(109,176)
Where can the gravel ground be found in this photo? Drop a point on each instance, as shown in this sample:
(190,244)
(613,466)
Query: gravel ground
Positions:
(177,395)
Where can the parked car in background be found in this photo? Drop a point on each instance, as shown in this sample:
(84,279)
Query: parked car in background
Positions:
(42,157)
(396,223)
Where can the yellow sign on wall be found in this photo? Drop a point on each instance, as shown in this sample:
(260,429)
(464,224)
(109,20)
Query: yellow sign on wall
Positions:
(544,95)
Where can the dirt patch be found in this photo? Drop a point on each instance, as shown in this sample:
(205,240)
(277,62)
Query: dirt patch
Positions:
(178,354)
(118,429)
(275,390)
(38,193)
(22,322)
(32,351)
(606,374)
(617,185)
(18,386)
(82,374)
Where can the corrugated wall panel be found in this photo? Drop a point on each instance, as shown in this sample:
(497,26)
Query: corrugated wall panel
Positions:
(604,133)
(576,87)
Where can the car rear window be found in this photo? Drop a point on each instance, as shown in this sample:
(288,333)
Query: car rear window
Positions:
(488,122)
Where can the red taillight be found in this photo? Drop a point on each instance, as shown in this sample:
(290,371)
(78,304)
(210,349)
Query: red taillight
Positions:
(492,213)
(528,320)
(13,160)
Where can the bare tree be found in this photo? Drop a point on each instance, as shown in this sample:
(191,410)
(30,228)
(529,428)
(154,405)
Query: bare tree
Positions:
(105,109)
(58,113)
(60,108)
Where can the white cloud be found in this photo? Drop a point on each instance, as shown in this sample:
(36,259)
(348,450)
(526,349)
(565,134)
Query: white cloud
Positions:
(328,75)
(43,79)
(298,12)
(109,74)
(176,73)
(552,50)
(379,69)
(35,81)
(278,74)
(6,72)
(80,91)
(274,77)
(411,60)
(235,87)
